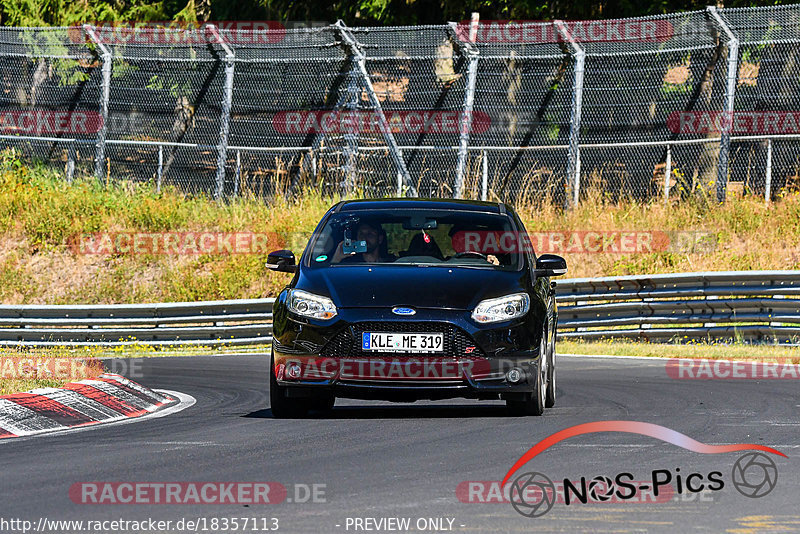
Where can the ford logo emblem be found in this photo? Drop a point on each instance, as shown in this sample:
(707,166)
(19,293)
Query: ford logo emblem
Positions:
(399,310)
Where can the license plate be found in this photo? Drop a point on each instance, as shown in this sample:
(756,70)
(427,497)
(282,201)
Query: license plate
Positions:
(402,342)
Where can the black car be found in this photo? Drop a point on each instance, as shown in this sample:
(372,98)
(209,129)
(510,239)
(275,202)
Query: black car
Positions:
(408,299)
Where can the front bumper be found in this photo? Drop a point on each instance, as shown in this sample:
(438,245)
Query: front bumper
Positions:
(475,363)
(405,371)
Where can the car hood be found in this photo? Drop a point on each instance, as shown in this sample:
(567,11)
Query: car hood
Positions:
(415,286)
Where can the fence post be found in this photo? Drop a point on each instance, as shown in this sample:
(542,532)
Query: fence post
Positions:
(350,136)
(238,177)
(71,161)
(768,177)
(105,54)
(314,163)
(160,170)
(667,174)
(484,175)
(225,115)
(573,161)
(730,92)
(465,124)
(576,188)
(361,65)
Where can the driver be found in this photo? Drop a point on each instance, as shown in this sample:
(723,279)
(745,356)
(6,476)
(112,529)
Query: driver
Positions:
(459,245)
(377,248)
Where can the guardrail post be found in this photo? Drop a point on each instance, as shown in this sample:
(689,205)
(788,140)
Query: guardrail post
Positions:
(768,177)
(667,174)
(105,55)
(361,66)
(573,157)
(465,124)
(225,115)
(730,91)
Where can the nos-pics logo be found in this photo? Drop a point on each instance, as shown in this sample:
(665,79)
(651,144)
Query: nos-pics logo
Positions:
(533,494)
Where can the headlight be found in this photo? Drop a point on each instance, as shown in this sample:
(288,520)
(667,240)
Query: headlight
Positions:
(310,305)
(502,308)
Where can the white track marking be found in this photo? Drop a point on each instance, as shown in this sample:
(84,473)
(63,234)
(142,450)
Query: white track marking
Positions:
(74,400)
(136,387)
(117,392)
(21,420)
(184,401)
(655,359)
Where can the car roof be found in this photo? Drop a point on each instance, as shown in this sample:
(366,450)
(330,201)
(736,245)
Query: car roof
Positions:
(421,203)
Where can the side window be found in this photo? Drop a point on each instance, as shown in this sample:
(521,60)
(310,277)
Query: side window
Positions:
(324,243)
(530,254)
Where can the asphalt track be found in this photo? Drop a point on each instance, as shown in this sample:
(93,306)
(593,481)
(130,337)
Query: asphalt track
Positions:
(383,460)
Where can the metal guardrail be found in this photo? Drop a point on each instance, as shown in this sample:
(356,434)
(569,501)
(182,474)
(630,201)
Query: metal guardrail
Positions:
(748,305)
(221,322)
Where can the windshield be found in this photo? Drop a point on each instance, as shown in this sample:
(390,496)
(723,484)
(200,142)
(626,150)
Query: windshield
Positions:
(419,237)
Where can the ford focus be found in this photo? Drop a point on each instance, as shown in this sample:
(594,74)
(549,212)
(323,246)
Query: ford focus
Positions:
(411,299)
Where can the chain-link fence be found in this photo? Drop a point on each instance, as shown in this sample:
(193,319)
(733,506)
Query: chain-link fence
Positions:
(645,108)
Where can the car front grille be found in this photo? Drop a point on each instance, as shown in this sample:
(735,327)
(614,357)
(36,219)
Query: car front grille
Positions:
(347,343)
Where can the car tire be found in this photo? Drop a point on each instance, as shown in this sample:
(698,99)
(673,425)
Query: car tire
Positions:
(534,401)
(281,406)
(550,398)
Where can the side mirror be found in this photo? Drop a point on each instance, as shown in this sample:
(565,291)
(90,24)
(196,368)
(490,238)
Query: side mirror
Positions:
(550,265)
(281,261)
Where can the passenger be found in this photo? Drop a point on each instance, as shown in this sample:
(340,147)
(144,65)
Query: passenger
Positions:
(377,248)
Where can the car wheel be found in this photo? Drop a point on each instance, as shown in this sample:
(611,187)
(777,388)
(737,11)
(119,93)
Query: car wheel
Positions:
(550,399)
(284,407)
(534,401)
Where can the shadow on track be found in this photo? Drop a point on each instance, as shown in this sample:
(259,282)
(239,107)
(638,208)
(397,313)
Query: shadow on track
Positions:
(399,412)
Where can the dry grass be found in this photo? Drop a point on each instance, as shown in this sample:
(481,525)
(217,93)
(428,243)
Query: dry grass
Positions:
(735,351)
(39,212)
(9,386)
(746,233)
